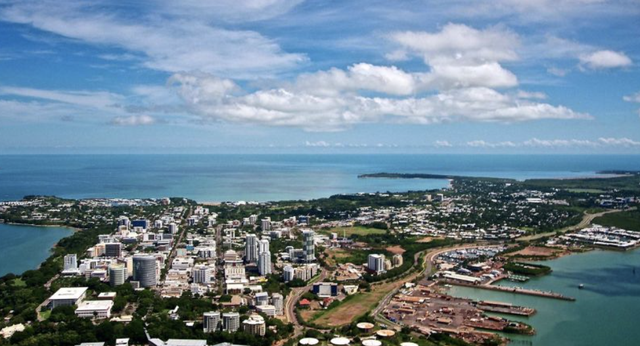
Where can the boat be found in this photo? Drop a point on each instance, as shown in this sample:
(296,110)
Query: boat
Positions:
(581,286)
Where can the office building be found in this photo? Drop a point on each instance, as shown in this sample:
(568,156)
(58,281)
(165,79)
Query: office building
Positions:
(261,298)
(211,321)
(277,300)
(95,309)
(251,248)
(117,274)
(308,246)
(140,223)
(144,270)
(113,250)
(67,296)
(325,289)
(230,322)
(375,263)
(202,274)
(288,273)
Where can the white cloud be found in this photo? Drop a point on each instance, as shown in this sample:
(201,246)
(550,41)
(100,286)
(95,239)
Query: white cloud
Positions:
(171,44)
(333,106)
(228,10)
(317,144)
(605,59)
(461,43)
(485,144)
(98,99)
(134,120)
(535,95)
(625,142)
(632,98)
(461,56)
(535,142)
(601,143)
(443,144)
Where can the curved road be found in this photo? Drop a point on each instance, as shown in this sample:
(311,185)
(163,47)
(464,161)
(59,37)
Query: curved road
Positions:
(584,223)
(292,299)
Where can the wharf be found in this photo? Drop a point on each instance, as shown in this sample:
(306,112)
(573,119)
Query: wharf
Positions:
(544,294)
(505,308)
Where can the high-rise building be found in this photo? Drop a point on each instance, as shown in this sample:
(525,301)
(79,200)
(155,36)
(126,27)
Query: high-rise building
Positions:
(230,322)
(375,263)
(202,274)
(263,245)
(211,321)
(251,248)
(172,228)
(124,221)
(397,260)
(113,250)
(70,262)
(265,224)
(264,263)
(308,246)
(277,300)
(288,273)
(117,274)
(254,325)
(144,270)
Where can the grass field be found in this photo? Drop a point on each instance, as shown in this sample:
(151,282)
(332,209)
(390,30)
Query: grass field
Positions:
(586,190)
(629,220)
(18,282)
(354,307)
(358,230)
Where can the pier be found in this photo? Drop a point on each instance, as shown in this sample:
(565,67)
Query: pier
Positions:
(519,290)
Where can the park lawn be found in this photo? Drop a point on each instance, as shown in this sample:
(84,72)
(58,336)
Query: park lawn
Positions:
(18,282)
(357,230)
(353,308)
(629,220)
(45,314)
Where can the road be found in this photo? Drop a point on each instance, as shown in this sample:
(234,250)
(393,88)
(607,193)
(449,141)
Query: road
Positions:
(292,299)
(585,222)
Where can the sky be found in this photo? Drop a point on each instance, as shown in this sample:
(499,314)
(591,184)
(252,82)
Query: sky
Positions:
(444,76)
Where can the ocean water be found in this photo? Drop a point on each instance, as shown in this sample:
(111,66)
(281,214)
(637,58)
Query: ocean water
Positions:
(605,311)
(268,177)
(25,247)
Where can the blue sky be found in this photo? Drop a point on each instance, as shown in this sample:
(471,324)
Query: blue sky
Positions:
(456,76)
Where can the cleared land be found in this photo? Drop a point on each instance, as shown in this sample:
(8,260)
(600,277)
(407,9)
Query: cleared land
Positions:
(536,251)
(355,307)
(629,220)
(358,230)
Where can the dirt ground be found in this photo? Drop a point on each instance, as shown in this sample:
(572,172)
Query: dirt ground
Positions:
(536,251)
(396,249)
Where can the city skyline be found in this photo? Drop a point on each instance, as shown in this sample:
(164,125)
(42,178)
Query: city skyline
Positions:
(333,77)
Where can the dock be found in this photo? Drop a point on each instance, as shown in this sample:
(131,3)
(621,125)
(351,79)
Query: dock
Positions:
(518,290)
(505,308)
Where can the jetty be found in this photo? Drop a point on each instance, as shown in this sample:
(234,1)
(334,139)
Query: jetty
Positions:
(518,290)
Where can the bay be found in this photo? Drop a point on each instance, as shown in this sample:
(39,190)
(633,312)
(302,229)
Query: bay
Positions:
(24,247)
(605,311)
(267,177)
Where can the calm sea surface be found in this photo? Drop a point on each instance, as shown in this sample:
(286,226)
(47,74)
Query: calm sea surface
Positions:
(25,247)
(268,177)
(605,311)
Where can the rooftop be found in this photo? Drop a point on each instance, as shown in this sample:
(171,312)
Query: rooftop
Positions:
(66,293)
